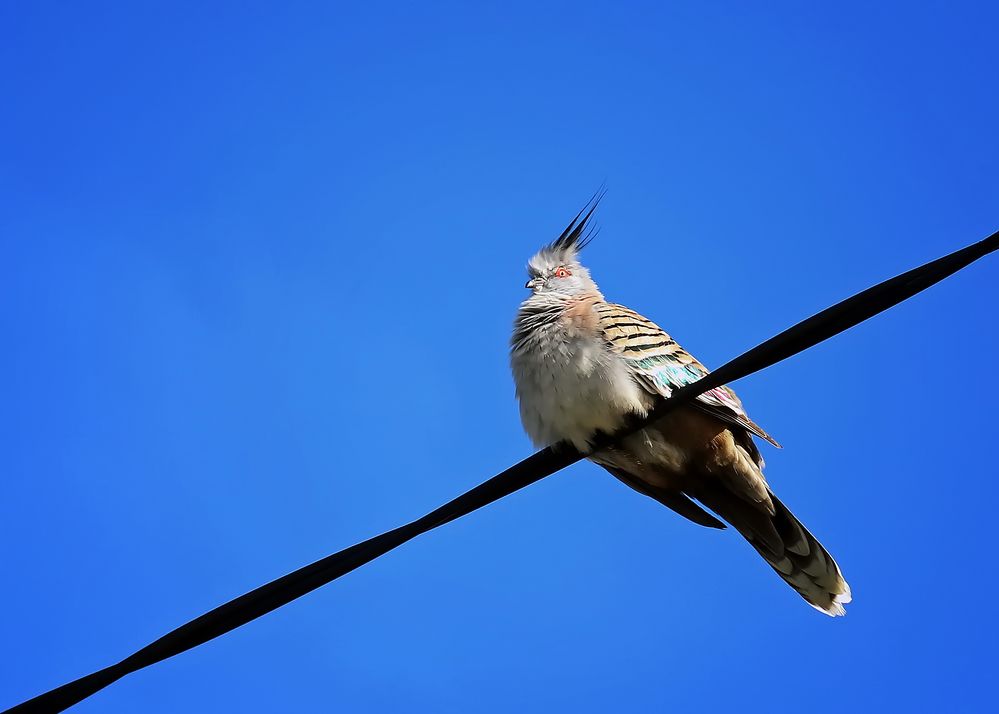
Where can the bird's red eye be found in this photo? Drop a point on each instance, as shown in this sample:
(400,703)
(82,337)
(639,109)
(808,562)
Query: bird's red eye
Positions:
(561,272)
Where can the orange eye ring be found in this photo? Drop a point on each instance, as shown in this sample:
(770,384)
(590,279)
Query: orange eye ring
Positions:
(561,272)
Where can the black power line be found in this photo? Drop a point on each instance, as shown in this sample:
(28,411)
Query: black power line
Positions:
(276,593)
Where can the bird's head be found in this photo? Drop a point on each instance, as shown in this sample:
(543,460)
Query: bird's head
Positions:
(555,270)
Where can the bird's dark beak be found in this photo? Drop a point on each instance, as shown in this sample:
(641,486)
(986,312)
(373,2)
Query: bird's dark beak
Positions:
(533,283)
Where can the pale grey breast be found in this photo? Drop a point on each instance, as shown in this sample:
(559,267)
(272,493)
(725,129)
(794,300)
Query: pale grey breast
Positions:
(570,385)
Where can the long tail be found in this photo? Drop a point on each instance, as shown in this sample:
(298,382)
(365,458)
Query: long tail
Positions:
(794,553)
(806,565)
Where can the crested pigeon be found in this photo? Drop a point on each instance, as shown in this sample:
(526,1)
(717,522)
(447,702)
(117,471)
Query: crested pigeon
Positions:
(584,366)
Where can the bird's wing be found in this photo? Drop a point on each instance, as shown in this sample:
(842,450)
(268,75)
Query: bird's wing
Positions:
(660,365)
(674,500)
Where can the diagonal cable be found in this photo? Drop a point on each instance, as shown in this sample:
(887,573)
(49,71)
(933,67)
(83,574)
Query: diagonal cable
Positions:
(276,593)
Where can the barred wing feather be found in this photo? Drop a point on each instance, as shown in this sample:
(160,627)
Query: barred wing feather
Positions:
(660,365)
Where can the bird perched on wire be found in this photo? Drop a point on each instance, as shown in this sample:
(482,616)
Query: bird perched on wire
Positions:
(584,366)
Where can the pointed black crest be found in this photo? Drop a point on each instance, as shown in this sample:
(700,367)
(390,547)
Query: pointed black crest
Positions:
(573,238)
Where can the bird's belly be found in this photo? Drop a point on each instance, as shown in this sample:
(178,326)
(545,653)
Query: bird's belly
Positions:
(572,390)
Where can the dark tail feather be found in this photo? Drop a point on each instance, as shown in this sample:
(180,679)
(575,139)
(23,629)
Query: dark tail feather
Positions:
(794,553)
(807,566)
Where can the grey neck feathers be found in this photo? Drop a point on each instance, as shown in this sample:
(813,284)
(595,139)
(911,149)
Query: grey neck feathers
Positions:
(539,313)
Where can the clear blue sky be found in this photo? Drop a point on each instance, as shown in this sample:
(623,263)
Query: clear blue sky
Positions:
(259,266)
